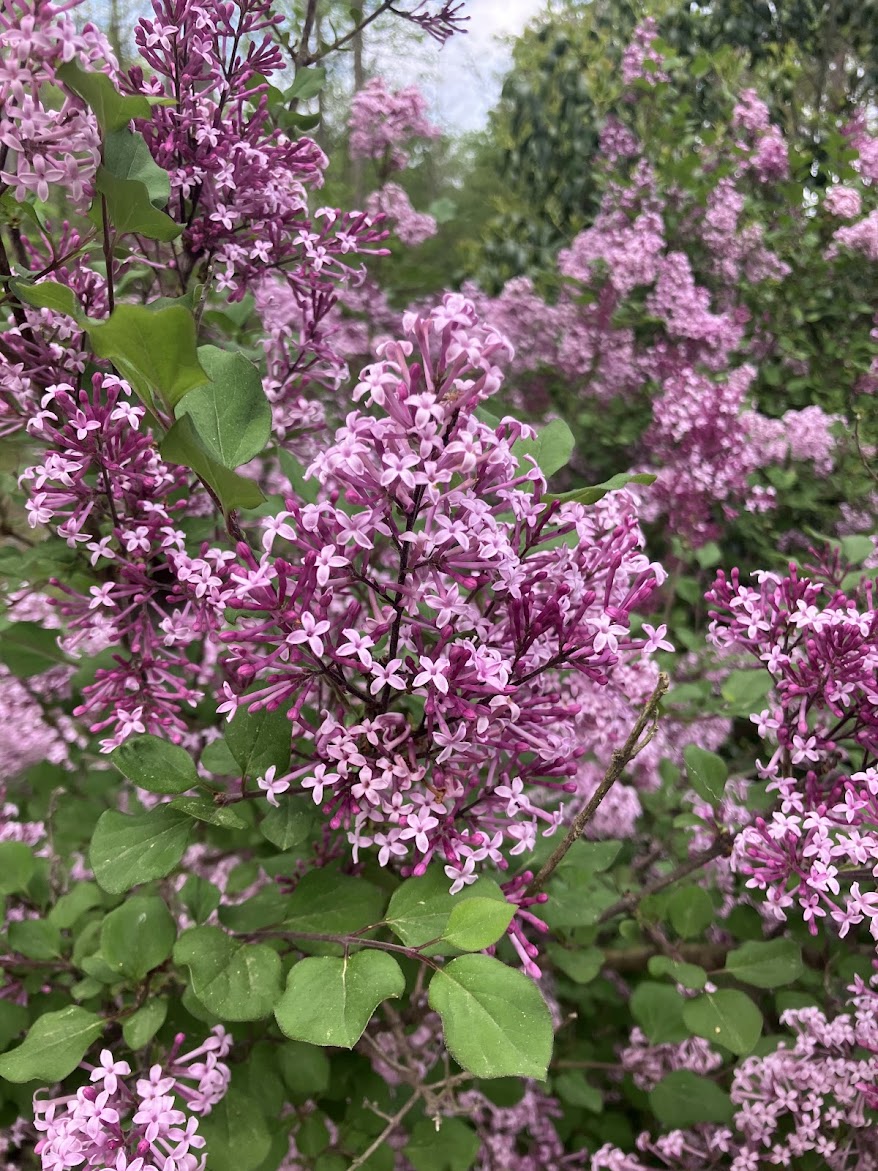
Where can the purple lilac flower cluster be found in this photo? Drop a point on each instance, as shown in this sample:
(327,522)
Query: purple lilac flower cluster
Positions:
(820,646)
(813,1098)
(148,1123)
(433,590)
(41,145)
(103,487)
(384,121)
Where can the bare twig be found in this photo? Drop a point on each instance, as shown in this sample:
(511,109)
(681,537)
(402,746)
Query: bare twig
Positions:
(646,723)
(720,848)
(385,1134)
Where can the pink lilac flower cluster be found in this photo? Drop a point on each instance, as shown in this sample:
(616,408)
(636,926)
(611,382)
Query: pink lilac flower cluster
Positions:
(409,226)
(702,451)
(813,1098)
(522,1137)
(151,1125)
(865,143)
(804,436)
(640,61)
(738,249)
(42,144)
(844,202)
(239,184)
(820,646)
(699,354)
(762,143)
(383,122)
(859,237)
(432,592)
(102,487)
(42,347)
(648,1064)
(13,826)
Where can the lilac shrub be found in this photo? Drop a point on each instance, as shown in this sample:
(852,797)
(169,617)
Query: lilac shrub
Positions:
(347,819)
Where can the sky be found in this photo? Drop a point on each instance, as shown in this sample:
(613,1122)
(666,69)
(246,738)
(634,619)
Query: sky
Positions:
(463,78)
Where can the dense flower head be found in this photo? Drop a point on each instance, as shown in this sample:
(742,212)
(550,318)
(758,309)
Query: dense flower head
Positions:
(241,184)
(103,488)
(641,61)
(409,226)
(861,236)
(820,647)
(843,202)
(433,585)
(811,1096)
(44,144)
(129,1123)
(383,123)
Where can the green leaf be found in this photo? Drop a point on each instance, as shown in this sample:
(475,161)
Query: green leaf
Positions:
(691,911)
(329,903)
(446,1145)
(155,764)
(217,759)
(746,691)
(689,975)
(47,295)
(183,445)
(17,864)
(231,413)
(574,1088)
(329,1001)
(35,938)
(308,84)
(476,923)
(304,1068)
(235,981)
(112,109)
(140,1028)
(258,740)
(766,965)
(129,209)
(420,908)
(27,648)
(138,936)
(589,858)
(728,1017)
(126,156)
(203,809)
(707,773)
(496,1022)
(72,906)
(267,907)
(551,450)
(581,965)
(593,494)
(200,897)
(683,1099)
(53,1047)
(856,548)
(575,900)
(236,1132)
(126,850)
(658,1009)
(287,826)
(154,349)
(306,490)
(13,1020)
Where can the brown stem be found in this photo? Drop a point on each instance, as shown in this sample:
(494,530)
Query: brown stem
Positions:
(108,254)
(646,722)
